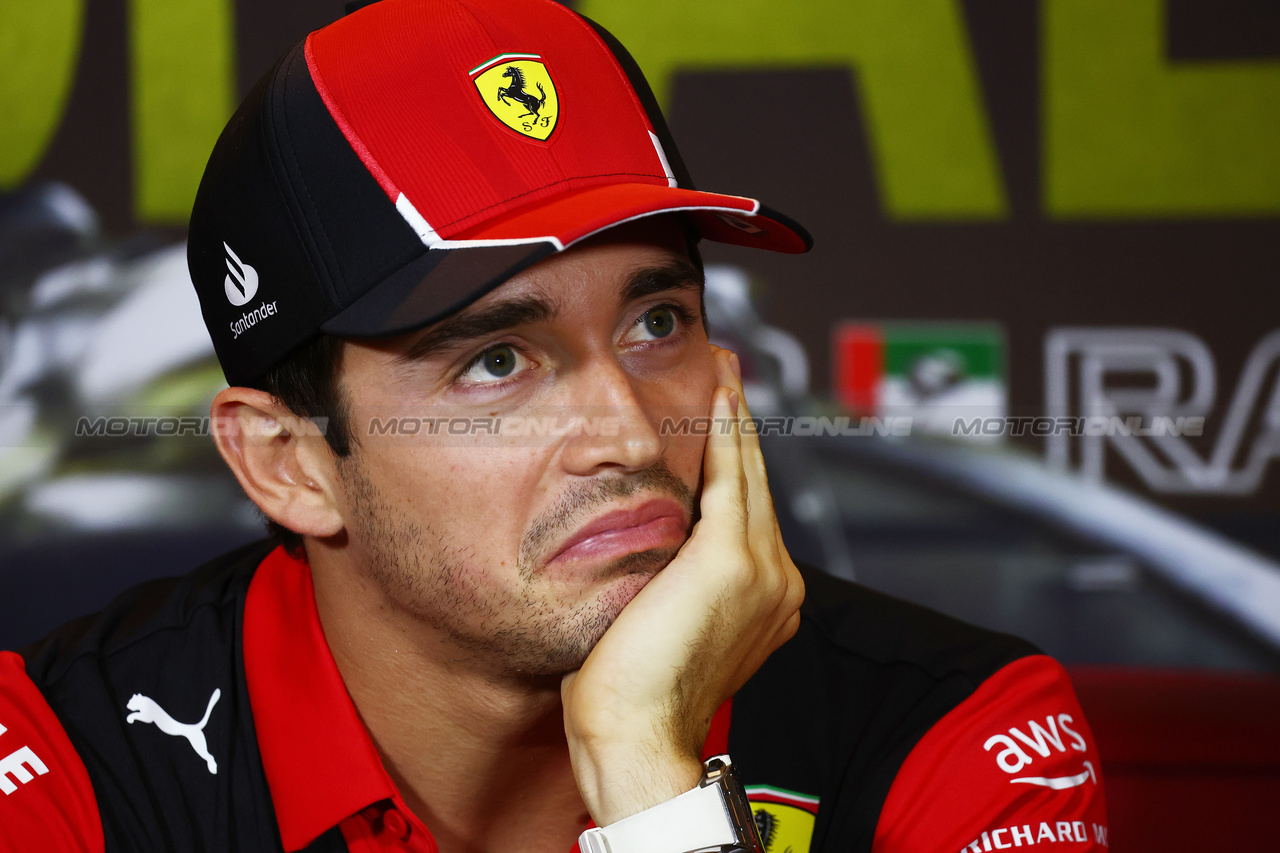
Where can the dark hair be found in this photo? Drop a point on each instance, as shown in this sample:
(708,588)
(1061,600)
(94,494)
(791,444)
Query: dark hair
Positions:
(307,383)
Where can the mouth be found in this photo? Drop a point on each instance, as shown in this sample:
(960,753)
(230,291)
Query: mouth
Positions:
(656,523)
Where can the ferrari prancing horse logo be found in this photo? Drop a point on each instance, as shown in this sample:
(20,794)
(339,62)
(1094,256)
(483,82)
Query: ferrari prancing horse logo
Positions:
(784,819)
(518,90)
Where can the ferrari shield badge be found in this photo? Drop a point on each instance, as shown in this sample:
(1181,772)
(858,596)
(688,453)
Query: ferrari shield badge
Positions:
(517,89)
(784,819)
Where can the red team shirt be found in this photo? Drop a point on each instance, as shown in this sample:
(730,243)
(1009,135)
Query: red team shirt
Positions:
(1013,765)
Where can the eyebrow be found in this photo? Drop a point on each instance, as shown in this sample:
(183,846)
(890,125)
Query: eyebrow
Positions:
(471,324)
(650,280)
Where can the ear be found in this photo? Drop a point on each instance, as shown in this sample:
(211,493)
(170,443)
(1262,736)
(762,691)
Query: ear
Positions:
(282,461)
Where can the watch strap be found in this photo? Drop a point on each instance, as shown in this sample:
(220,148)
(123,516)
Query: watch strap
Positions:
(714,816)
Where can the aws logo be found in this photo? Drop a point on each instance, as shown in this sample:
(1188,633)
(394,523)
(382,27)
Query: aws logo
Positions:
(518,90)
(784,818)
(1043,741)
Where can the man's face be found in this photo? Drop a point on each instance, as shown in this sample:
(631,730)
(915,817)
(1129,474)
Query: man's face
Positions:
(520,549)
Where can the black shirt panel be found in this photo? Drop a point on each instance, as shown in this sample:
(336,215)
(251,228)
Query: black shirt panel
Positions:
(836,710)
(174,642)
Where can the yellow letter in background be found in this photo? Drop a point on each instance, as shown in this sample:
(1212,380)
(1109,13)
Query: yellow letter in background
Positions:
(912,63)
(39,50)
(182,78)
(1128,134)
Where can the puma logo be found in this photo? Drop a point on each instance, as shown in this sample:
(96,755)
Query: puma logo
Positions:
(146,710)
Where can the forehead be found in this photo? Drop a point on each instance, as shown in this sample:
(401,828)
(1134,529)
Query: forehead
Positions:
(631,260)
(604,263)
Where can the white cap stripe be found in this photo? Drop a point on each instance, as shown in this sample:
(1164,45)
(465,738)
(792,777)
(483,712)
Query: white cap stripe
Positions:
(662,155)
(432,240)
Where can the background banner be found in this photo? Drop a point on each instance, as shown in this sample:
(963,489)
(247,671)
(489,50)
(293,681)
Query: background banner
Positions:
(1089,187)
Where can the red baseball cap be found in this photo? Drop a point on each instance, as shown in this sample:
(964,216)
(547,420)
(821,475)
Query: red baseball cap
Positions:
(412,156)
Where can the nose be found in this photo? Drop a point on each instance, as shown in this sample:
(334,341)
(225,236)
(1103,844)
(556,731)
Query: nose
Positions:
(619,431)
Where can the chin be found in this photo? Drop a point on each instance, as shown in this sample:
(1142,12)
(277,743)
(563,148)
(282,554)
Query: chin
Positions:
(546,636)
(632,573)
(625,578)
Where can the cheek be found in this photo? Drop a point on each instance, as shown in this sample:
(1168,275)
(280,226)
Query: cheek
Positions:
(684,456)
(476,496)
(686,409)
(685,386)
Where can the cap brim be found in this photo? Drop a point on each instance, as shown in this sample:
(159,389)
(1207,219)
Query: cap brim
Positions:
(456,271)
(575,215)
(433,286)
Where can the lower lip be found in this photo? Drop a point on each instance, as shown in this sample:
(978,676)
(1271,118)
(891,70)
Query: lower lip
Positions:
(666,531)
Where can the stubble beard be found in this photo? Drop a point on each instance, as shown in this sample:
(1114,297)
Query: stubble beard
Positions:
(521,631)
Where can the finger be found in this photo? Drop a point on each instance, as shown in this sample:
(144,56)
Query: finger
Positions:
(763,526)
(724,480)
(753,458)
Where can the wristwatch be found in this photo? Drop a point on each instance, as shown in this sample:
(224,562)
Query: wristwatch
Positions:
(714,817)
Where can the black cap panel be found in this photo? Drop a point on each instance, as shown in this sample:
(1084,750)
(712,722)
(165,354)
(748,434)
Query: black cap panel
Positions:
(346,216)
(288,226)
(256,287)
(433,287)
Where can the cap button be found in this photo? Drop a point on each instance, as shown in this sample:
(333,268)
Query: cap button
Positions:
(395,826)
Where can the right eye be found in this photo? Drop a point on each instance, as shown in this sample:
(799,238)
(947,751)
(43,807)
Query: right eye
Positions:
(494,365)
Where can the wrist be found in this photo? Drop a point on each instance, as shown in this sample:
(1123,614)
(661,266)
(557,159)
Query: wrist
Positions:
(714,815)
(618,781)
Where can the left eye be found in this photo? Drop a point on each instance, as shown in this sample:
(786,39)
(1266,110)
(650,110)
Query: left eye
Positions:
(656,323)
(495,364)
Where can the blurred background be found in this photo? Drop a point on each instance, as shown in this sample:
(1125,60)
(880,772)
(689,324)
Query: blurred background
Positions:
(1029,376)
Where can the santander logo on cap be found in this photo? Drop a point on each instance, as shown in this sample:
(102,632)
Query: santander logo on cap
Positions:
(241,282)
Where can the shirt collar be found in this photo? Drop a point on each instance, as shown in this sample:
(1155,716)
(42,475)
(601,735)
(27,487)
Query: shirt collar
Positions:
(321,765)
(320,762)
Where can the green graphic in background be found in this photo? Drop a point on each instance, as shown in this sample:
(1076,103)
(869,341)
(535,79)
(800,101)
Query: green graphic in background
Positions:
(182,73)
(933,372)
(1128,134)
(911,61)
(39,48)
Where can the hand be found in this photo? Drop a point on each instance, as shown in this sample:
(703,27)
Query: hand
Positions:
(639,709)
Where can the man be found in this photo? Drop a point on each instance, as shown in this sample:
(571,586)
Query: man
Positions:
(434,227)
